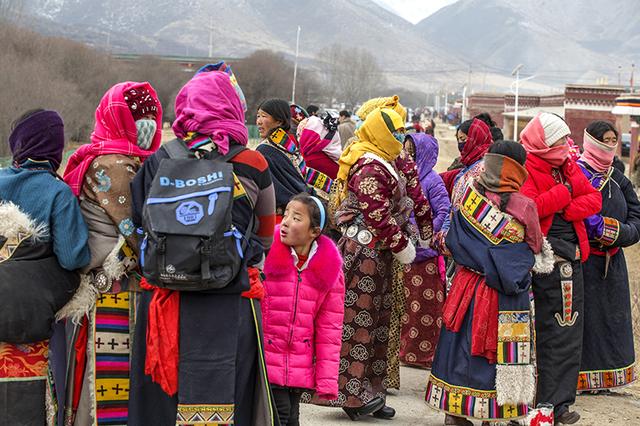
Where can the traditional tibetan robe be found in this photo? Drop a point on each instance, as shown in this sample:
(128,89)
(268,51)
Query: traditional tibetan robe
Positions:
(608,357)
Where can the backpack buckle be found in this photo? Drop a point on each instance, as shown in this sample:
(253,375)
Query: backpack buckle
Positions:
(162,244)
(205,253)
(205,249)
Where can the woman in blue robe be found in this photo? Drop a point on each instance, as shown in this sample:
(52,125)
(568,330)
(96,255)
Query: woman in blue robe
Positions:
(483,364)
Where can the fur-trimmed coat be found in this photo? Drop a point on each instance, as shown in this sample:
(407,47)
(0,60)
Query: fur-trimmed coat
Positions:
(303,312)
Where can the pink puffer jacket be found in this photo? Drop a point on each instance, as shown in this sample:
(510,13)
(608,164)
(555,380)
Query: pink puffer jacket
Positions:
(303,313)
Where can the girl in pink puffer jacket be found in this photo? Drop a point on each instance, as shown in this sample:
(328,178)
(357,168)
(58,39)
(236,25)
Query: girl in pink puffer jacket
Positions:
(303,308)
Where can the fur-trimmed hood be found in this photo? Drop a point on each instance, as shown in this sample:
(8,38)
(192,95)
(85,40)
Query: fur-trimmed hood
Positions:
(14,223)
(325,262)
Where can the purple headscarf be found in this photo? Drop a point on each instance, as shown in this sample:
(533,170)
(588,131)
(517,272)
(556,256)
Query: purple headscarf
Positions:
(38,137)
(209,104)
(426,153)
(432,185)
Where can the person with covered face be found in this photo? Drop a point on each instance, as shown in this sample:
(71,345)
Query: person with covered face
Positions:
(43,243)
(474,140)
(320,145)
(424,278)
(374,198)
(127,130)
(483,368)
(564,198)
(608,358)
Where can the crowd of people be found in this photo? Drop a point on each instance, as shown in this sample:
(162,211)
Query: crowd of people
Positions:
(201,281)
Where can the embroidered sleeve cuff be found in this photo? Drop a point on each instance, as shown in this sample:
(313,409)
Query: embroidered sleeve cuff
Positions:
(610,232)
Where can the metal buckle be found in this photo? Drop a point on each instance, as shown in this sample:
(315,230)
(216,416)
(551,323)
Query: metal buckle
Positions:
(101,282)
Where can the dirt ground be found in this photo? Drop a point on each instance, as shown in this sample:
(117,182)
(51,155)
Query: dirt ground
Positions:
(620,408)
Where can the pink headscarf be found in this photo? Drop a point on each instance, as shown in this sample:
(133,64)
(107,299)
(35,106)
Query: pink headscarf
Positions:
(314,139)
(208,104)
(535,142)
(115,132)
(597,154)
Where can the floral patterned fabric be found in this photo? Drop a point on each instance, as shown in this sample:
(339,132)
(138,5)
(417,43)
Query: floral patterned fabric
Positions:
(383,202)
(107,185)
(365,333)
(26,386)
(24,360)
(424,291)
(380,200)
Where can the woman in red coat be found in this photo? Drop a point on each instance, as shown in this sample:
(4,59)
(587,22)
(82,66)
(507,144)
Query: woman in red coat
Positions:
(564,198)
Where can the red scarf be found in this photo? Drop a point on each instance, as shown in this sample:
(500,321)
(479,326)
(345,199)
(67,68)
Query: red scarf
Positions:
(115,132)
(484,324)
(477,144)
(163,331)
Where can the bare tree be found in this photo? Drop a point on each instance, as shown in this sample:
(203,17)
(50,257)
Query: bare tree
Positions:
(10,9)
(351,75)
(265,74)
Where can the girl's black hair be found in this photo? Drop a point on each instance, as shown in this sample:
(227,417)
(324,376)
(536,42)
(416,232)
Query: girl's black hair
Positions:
(484,116)
(513,150)
(24,116)
(314,210)
(597,129)
(496,132)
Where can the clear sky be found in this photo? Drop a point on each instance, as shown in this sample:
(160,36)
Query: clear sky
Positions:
(416,10)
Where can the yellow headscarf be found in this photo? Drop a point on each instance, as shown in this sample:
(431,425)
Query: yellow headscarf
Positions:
(392,102)
(375,136)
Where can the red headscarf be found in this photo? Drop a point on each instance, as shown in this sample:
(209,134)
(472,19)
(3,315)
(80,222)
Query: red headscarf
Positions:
(115,132)
(477,144)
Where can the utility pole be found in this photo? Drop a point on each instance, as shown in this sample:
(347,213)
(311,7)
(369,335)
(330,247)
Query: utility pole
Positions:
(295,67)
(446,102)
(464,104)
(619,75)
(211,37)
(516,72)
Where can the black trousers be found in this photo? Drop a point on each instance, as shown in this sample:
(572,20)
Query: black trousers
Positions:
(559,326)
(288,404)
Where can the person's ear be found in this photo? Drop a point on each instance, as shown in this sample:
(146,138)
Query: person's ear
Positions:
(316,231)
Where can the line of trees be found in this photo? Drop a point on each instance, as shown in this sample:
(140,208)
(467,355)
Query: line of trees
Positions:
(69,77)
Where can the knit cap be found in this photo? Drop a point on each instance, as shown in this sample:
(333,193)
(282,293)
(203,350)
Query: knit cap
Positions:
(554,128)
(140,102)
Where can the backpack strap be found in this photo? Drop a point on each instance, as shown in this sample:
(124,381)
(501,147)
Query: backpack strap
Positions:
(234,149)
(177,149)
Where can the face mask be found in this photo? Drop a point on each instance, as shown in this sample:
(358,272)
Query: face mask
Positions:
(399,136)
(146,131)
(461,146)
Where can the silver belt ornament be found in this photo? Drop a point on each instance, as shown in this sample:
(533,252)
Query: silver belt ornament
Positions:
(101,282)
(361,235)
(567,318)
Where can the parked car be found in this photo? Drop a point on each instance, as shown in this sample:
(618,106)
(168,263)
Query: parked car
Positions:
(625,140)
(332,112)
